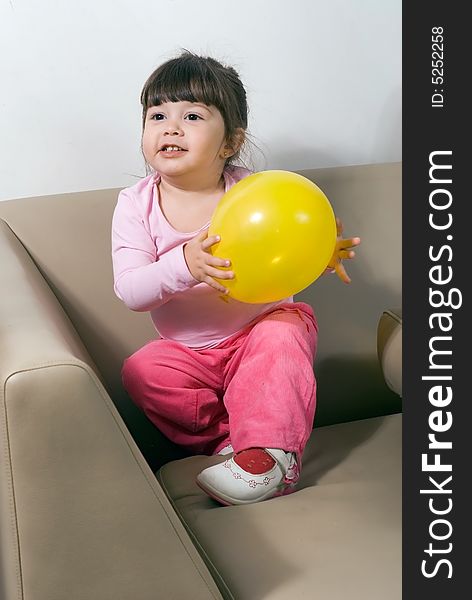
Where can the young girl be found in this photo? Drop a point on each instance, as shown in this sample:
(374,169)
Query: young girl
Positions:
(224,377)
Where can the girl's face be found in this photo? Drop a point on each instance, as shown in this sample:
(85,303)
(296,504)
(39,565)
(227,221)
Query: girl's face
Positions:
(181,138)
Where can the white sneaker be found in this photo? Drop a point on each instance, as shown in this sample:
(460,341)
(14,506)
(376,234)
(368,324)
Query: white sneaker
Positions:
(226,450)
(229,484)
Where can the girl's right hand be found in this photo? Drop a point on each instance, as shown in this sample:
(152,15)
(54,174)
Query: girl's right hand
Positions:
(202,265)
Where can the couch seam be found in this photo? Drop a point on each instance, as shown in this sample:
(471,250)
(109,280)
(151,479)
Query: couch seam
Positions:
(11,494)
(190,531)
(396,317)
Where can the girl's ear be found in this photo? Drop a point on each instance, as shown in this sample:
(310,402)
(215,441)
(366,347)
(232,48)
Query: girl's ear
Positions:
(237,139)
(234,143)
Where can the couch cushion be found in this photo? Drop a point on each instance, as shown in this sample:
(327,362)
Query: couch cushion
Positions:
(389,348)
(337,537)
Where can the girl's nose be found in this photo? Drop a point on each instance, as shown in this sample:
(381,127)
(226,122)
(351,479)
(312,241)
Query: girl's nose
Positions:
(172,129)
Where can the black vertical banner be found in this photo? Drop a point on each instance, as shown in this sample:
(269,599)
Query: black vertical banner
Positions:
(437,350)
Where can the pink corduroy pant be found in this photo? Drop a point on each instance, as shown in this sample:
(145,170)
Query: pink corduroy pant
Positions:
(255,389)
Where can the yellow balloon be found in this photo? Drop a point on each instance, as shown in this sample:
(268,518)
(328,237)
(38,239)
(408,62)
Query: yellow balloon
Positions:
(279,231)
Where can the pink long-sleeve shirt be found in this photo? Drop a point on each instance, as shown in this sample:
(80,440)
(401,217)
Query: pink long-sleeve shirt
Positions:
(151,273)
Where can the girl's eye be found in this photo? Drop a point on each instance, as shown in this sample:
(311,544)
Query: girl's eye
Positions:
(193,117)
(157,117)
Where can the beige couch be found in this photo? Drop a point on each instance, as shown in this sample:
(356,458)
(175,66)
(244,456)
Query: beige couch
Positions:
(83,515)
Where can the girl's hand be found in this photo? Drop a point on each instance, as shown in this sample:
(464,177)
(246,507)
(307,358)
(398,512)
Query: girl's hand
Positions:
(202,265)
(342,250)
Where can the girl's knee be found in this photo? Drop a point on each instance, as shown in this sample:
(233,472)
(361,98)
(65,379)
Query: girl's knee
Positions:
(137,367)
(130,374)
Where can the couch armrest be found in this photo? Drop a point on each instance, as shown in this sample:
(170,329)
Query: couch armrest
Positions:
(389,348)
(81,514)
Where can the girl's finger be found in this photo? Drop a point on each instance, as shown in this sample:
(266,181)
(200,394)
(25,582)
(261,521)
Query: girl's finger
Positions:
(343,254)
(341,271)
(210,241)
(215,285)
(218,273)
(348,242)
(217,262)
(202,235)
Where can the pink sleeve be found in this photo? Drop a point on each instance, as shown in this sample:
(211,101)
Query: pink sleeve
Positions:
(143,280)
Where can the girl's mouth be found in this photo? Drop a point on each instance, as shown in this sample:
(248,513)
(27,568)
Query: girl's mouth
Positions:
(171,150)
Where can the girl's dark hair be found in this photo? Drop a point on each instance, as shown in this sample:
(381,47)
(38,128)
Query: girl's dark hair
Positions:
(193,78)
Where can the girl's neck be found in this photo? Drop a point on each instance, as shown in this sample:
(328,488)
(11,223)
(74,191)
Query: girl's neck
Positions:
(182,188)
(188,210)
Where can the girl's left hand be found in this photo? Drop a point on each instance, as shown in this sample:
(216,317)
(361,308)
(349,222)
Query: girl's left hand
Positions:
(342,251)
